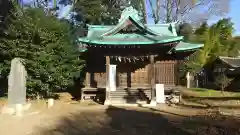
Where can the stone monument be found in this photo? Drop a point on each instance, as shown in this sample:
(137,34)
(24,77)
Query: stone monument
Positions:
(16,88)
(17,83)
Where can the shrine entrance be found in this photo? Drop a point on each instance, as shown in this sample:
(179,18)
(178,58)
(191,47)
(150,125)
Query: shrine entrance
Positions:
(132,72)
(143,54)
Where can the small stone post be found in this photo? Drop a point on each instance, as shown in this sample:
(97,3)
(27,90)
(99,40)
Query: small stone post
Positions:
(50,102)
(188,77)
(160,96)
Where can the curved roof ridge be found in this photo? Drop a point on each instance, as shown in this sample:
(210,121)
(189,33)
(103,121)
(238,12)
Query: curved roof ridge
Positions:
(170,26)
(162,24)
(116,27)
(183,46)
(120,25)
(144,26)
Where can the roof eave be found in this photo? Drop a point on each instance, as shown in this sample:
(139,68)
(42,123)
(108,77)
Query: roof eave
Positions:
(188,50)
(190,47)
(222,58)
(85,40)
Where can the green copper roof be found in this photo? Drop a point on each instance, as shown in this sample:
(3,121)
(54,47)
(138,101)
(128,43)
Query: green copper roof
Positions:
(163,29)
(108,35)
(168,29)
(182,46)
(147,33)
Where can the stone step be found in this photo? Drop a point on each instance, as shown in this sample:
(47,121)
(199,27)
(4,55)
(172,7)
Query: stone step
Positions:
(126,96)
(148,94)
(128,102)
(131,91)
(125,93)
(136,95)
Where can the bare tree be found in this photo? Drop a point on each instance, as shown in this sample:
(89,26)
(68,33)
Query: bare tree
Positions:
(191,11)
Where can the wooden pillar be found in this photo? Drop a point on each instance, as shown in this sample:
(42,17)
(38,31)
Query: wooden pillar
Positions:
(177,77)
(107,94)
(152,78)
(88,80)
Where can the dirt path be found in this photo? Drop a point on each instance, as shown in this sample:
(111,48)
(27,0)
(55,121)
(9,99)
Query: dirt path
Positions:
(76,119)
(38,116)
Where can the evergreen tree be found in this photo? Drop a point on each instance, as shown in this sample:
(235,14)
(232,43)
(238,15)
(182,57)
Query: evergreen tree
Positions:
(218,41)
(185,30)
(47,46)
(202,29)
(98,12)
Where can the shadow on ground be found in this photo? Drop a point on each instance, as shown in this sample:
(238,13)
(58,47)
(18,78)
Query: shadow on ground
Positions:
(120,121)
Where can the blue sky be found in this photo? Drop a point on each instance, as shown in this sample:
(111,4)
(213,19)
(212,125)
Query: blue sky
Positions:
(233,13)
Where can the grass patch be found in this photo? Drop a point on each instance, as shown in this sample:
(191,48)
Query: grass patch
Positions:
(209,98)
(200,92)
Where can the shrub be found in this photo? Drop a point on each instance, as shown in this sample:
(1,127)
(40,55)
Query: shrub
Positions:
(46,44)
(222,81)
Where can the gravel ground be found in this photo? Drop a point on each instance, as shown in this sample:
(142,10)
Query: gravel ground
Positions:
(81,119)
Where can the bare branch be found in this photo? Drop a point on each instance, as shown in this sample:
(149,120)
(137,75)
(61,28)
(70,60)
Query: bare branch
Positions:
(186,10)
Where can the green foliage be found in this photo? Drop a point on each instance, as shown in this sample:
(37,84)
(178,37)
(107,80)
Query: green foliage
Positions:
(225,27)
(203,56)
(223,44)
(185,30)
(202,29)
(218,41)
(98,11)
(5,9)
(235,47)
(47,46)
(139,5)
